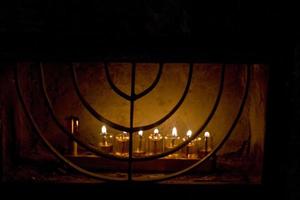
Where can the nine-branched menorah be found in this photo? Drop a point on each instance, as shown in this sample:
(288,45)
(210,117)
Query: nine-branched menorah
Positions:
(131,129)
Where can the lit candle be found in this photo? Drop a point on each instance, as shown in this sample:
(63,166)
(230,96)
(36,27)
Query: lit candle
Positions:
(106,141)
(174,136)
(171,140)
(156,132)
(103,130)
(138,144)
(190,149)
(206,136)
(155,142)
(122,144)
(140,140)
(190,145)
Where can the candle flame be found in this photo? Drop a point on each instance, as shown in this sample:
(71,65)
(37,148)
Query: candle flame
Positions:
(189,133)
(77,123)
(103,129)
(174,132)
(207,134)
(156,131)
(140,133)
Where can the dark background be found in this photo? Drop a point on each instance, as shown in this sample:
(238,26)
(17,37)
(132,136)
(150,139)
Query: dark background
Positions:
(230,32)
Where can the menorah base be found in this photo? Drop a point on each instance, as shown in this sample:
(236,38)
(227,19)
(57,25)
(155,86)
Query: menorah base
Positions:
(161,165)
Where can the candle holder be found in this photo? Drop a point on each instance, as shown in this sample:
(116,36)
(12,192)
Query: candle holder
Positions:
(171,141)
(190,150)
(106,141)
(72,124)
(155,145)
(139,144)
(122,144)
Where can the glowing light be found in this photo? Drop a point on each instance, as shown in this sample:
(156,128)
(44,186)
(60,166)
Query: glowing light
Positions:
(189,133)
(103,130)
(156,131)
(140,133)
(207,134)
(174,132)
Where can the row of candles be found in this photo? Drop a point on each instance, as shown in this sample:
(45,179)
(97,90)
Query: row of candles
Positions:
(155,143)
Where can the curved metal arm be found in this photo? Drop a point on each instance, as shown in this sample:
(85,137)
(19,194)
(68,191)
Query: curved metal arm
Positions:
(50,146)
(153,85)
(173,110)
(98,176)
(113,86)
(64,130)
(97,152)
(152,157)
(135,129)
(218,147)
(91,109)
(215,106)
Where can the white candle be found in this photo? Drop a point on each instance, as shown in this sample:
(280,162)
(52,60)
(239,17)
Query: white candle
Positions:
(206,136)
(103,131)
(155,140)
(105,140)
(140,140)
(190,146)
(174,136)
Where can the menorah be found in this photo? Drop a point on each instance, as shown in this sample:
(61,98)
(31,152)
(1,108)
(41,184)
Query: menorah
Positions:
(131,129)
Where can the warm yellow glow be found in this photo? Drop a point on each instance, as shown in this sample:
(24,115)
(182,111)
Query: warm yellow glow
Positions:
(156,131)
(174,132)
(103,130)
(140,133)
(77,123)
(124,132)
(189,133)
(207,134)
